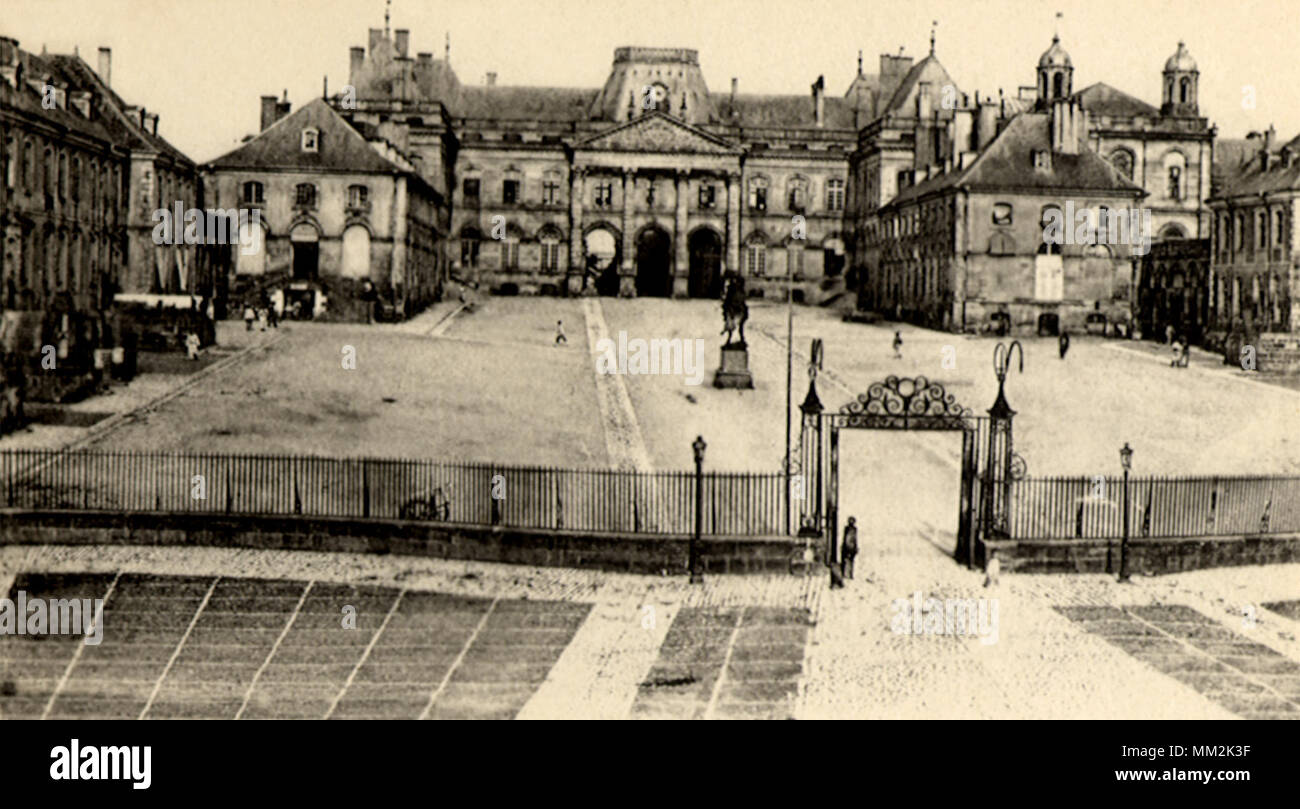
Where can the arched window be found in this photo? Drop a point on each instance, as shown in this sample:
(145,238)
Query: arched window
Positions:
(797,193)
(550,239)
(1237,237)
(1261,229)
(1175,164)
(1171,232)
(358,197)
(305,195)
(794,259)
(1001,244)
(1278,220)
(1058,85)
(1184,90)
(756,256)
(356,252)
(250,257)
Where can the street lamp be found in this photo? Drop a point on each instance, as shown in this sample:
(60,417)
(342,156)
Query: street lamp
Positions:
(1126,459)
(698,446)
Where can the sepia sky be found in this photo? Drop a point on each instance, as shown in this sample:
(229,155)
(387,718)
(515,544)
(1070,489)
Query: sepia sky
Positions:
(202,64)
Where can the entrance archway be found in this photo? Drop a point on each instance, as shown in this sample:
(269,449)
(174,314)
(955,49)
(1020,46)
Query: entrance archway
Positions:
(601,260)
(305,240)
(653,263)
(901,403)
(705,247)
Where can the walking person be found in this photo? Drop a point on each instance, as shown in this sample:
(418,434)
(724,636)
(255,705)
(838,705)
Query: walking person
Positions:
(249,316)
(1065,342)
(1177,348)
(559,333)
(192,345)
(849,549)
(898,346)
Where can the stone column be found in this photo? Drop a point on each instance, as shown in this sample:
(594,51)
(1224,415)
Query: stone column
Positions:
(733,222)
(627,271)
(577,259)
(681,273)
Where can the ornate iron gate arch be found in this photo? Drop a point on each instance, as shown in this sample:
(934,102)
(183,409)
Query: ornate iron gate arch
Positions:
(914,403)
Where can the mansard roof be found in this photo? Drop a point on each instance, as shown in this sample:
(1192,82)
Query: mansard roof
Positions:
(525,103)
(1007,164)
(279,146)
(1102,99)
(798,111)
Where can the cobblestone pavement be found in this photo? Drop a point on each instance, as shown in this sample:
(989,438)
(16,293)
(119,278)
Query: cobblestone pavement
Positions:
(606,645)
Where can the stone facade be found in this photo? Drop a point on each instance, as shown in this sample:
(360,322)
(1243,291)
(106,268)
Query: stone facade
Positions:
(334,208)
(650,185)
(82,175)
(951,197)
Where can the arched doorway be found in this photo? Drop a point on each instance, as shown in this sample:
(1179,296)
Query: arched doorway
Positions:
(601,261)
(653,264)
(306,252)
(705,247)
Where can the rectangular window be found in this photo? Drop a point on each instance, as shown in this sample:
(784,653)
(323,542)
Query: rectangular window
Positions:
(756,260)
(708,197)
(305,196)
(757,198)
(1261,225)
(469,188)
(510,192)
(469,253)
(604,195)
(834,195)
(358,196)
(550,193)
(252,191)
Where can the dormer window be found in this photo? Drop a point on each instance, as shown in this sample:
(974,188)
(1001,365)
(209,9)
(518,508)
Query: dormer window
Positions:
(1042,160)
(311,140)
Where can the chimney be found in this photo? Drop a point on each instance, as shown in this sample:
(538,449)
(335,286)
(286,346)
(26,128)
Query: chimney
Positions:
(268,111)
(424,60)
(491,79)
(376,37)
(402,40)
(735,85)
(1266,147)
(819,100)
(1068,125)
(986,125)
(356,56)
(283,107)
(106,66)
(151,122)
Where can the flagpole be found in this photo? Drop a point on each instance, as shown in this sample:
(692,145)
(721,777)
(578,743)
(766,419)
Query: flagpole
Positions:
(789,383)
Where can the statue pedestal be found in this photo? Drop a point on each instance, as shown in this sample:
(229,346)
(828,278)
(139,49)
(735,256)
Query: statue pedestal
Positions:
(733,370)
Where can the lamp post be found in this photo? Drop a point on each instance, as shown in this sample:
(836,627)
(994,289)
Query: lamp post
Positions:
(1126,459)
(698,446)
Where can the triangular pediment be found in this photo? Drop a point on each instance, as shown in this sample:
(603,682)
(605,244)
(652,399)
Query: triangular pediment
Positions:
(657,132)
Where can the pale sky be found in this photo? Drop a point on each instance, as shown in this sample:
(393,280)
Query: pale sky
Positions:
(202,64)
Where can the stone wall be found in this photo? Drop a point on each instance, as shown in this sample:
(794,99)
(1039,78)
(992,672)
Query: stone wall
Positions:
(1157,556)
(1277,353)
(627,553)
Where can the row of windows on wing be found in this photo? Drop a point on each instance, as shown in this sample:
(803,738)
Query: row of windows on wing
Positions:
(603,193)
(1234,230)
(29,167)
(306,195)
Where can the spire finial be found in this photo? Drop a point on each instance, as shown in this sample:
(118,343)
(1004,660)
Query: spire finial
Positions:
(933,25)
(859,62)
(1056,36)
(388,7)
(446,49)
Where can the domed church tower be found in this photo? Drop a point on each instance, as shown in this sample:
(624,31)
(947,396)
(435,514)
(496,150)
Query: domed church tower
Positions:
(1055,74)
(1180,80)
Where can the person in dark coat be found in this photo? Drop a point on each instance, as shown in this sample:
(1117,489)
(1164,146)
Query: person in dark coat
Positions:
(1065,343)
(849,548)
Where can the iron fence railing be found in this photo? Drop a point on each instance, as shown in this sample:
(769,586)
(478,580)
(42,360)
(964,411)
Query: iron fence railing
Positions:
(388,488)
(1159,507)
